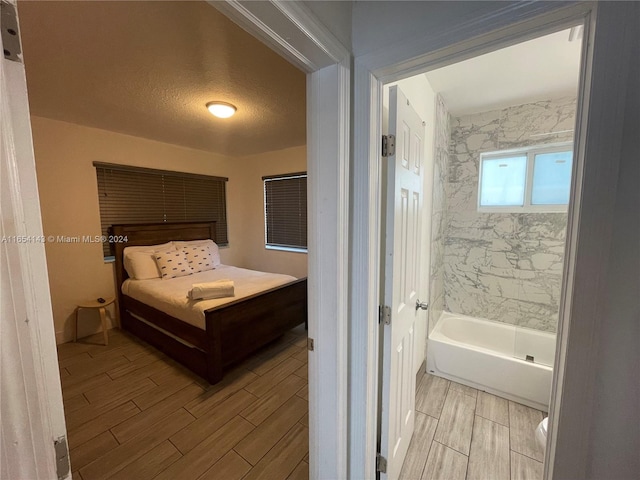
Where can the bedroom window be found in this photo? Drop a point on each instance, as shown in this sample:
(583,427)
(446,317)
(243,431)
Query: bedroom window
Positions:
(285,212)
(143,195)
(533,179)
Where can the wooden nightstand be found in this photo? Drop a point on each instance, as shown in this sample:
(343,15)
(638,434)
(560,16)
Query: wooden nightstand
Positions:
(103,316)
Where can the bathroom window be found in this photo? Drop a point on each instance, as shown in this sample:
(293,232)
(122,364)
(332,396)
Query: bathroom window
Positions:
(534,179)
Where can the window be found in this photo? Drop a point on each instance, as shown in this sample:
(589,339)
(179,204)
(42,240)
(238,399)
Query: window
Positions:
(144,195)
(285,212)
(531,179)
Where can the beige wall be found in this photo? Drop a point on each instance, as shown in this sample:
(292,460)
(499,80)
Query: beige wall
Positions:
(69,200)
(253,249)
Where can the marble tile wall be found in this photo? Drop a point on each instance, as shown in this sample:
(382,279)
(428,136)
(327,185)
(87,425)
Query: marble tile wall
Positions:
(501,266)
(438,222)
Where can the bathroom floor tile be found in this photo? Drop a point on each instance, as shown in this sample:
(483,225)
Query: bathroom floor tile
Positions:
(419,447)
(493,408)
(463,433)
(431,394)
(525,468)
(472,392)
(522,425)
(489,456)
(444,463)
(456,422)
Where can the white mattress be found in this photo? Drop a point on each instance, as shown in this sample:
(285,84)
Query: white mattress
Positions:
(171,296)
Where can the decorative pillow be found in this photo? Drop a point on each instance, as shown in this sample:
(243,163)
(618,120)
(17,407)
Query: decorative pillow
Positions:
(140,263)
(213,248)
(172,264)
(199,257)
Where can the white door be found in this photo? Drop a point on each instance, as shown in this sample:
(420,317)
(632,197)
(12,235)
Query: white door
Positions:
(31,407)
(402,280)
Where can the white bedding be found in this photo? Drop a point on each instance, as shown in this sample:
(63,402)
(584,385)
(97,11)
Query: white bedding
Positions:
(171,296)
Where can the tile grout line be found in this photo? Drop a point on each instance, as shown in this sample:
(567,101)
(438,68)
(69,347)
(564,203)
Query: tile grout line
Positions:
(487,418)
(177,459)
(525,455)
(473,424)
(509,430)
(509,427)
(429,449)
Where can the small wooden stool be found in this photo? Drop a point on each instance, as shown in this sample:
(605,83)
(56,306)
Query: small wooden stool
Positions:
(103,316)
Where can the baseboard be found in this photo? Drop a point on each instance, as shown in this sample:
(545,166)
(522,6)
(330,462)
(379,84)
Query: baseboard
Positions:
(63,336)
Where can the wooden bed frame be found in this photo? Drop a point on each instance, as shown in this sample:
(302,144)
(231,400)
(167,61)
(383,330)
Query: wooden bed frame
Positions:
(233,330)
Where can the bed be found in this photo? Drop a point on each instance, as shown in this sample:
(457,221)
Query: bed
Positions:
(228,331)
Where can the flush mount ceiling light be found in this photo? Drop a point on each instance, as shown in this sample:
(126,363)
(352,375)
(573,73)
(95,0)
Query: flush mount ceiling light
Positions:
(221,109)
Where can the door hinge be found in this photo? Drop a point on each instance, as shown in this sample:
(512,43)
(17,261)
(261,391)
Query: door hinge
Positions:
(62,457)
(381,464)
(388,145)
(310,344)
(384,314)
(10,33)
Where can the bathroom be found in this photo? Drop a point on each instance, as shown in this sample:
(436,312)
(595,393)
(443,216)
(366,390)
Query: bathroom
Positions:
(501,133)
(496,271)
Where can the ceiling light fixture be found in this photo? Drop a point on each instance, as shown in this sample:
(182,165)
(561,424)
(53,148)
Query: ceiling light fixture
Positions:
(221,109)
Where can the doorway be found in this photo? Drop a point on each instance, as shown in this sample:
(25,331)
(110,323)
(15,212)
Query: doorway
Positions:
(491,289)
(372,82)
(568,452)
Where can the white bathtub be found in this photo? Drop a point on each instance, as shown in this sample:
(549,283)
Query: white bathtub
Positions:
(491,356)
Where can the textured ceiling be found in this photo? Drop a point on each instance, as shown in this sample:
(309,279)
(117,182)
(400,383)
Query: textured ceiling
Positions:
(148,68)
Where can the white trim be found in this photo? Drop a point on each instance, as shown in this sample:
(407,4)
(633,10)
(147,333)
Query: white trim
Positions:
(285,249)
(597,152)
(31,406)
(365,276)
(292,30)
(512,24)
(289,28)
(328,97)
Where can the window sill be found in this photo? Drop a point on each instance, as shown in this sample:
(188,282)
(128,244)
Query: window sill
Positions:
(286,249)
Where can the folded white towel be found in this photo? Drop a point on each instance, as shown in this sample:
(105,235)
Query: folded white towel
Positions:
(218,289)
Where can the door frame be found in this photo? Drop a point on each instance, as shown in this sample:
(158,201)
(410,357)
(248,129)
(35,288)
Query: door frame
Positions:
(590,215)
(30,380)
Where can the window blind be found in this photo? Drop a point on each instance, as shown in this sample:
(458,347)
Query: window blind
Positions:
(140,195)
(285,198)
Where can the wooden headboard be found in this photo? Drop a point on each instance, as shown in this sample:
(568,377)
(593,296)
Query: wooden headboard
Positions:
(153,234)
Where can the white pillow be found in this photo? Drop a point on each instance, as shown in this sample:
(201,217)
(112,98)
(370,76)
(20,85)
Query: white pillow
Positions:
(140,263)
(199,257)
(213,248)
(172,264)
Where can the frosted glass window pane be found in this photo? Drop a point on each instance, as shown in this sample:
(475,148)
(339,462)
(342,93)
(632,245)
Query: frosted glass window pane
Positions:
(551,178)
(503,181)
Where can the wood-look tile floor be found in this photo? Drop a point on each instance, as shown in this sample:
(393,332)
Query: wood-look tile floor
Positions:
(466,434)
(133,413)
